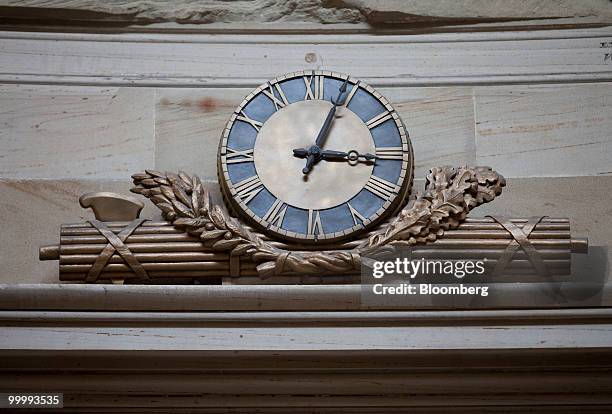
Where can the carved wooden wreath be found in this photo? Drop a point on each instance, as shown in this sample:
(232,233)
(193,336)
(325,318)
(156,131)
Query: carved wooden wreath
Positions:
(450,193)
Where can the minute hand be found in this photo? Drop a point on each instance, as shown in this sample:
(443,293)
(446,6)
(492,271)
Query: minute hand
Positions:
(313,152)
(326,126)
(330,115)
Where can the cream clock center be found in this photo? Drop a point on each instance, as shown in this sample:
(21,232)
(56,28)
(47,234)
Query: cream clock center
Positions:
(329,183)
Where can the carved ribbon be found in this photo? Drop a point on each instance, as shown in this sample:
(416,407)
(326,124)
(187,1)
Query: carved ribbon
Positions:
(521,239)
(115,244)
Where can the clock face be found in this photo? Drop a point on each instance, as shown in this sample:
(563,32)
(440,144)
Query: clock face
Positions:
(336,123)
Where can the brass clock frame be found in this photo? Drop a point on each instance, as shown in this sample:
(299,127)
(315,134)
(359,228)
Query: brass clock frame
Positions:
(390,207)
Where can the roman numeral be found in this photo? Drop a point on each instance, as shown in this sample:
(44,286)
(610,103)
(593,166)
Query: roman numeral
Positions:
(379,187)
(314,223)
(390,153)
(232,155)
(351,94)
(248,188)
(244,118)
(276,213)
(314,86)
(357,218)
(278,104)
(378,119)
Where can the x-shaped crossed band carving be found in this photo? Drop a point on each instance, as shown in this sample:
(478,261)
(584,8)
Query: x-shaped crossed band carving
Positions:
(521,239)
(115,243)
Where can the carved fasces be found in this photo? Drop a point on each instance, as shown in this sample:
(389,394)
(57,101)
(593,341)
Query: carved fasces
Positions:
(450,194)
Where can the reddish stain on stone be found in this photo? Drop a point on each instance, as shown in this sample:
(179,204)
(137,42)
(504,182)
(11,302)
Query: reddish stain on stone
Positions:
(207,104)
(164,101)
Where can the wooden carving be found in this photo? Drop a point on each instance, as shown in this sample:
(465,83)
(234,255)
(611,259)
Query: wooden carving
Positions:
(450,194)
(201,240)
(328,187)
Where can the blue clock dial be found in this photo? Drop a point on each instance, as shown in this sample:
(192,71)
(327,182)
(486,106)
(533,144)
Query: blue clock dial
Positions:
(356,144)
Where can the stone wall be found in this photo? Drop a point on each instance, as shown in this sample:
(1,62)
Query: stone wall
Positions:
(398,14)
(82,111)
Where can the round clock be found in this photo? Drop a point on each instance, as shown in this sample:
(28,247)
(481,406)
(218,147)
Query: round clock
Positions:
(315,156)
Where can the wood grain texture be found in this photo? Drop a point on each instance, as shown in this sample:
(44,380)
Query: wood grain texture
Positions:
(68,132)
(527,131)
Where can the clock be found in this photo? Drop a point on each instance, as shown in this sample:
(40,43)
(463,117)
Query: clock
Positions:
(315,156)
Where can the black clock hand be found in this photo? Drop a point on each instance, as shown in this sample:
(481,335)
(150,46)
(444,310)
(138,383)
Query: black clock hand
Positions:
(314,155)
(314,151)
(351,155)
(330,115)
(300,152)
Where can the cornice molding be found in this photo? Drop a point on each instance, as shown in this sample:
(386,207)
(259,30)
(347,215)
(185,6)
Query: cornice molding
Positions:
(245,61)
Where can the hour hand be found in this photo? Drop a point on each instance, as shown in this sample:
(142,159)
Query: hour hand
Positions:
(351,156)
(321,154)
(312,155)
(300,152)
(334,155)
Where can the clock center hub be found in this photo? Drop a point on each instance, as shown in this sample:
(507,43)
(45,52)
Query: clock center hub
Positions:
(330,183)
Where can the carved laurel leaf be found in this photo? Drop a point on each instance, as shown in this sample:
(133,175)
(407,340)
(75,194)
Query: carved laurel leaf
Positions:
(185,179)
(196,194)
(450,193)
(156,199)
(184,222)
(161,181)
(182,210)
(182,196)
(149,182)
(212,234)
(165,207)
(217,217)
(154,173)
(140,176)
(233,225)
(242,249)
(224,244)
(167,192)
(204,201)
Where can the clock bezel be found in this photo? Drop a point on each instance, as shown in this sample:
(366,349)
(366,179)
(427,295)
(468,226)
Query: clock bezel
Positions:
(389,207)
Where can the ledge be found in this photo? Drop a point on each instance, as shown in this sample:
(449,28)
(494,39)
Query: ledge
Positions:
(99,297)
(328,361)
(317,351)
(209,60)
